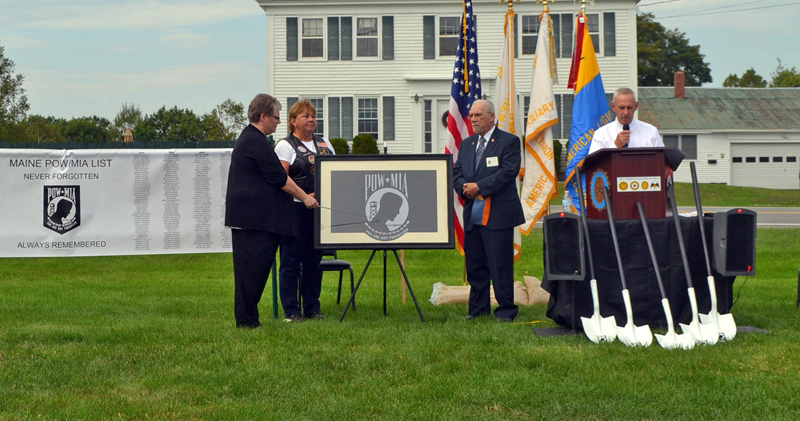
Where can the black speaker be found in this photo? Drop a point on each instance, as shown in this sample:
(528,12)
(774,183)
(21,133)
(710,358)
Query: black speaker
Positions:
(563,247)
(735,242)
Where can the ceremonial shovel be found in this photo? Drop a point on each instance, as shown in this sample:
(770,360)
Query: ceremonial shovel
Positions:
(723,322)
(629,334)
(597,328)
(671,340)
(704,333)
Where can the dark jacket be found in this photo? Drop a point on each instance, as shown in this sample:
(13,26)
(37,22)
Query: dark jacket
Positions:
(496,182)
(254,199)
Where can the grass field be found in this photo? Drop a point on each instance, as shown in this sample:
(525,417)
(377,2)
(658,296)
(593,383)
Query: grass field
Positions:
(138,337)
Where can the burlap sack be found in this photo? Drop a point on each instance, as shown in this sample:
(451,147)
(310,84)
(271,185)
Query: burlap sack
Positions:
(536,294)
(445,294)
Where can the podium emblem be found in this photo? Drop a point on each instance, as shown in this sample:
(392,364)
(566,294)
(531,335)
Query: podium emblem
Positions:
(599,178)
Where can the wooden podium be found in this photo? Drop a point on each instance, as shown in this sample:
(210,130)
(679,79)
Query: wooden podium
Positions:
(631,175)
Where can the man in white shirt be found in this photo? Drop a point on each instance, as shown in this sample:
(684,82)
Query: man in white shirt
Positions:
(625,131)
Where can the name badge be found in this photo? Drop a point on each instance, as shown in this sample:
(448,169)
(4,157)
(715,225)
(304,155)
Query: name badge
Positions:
(492,161)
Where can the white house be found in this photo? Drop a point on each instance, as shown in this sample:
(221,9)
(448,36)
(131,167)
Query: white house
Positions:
(385,67)
(736,136)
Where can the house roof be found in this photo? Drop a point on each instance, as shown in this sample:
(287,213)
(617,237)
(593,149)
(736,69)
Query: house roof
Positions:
(740,109)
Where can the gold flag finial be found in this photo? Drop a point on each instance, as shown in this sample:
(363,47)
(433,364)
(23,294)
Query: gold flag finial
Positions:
(510,3)
(544,4)
(583,5)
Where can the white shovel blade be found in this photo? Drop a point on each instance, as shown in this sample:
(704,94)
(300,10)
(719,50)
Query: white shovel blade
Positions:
(600,329)
(672,340)
(629,334)
(723,323)
(702,333)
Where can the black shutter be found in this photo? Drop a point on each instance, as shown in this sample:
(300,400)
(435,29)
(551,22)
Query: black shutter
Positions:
(609,34)
(388,37)
(291,39)
(388,118)
(347,38)
(428,37)
(347,118)
(334,124)
(333,38)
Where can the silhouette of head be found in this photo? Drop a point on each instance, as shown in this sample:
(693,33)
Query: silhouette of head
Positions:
(63,208)
(390,207)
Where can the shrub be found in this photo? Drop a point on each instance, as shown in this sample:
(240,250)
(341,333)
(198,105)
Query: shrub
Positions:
(340,146)
(556,151)
(365,144)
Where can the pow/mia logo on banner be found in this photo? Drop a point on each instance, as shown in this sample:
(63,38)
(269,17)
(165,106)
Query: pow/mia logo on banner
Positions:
(386,207)
(62,208)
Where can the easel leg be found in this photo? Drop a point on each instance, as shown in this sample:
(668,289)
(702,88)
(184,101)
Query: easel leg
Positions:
(353,296)
(408,284)
(384,282)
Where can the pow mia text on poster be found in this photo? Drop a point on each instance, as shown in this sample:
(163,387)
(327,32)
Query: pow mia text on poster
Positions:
(385,205)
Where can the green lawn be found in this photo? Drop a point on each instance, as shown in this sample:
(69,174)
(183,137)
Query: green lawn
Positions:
(138,337)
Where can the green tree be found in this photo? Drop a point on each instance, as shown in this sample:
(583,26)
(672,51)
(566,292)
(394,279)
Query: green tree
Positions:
(749,79)
(365,144)
(42,129)
(340,146)
(13,101)
(171,125)
(128,117)
(785,78)
(92,129)
(664,51)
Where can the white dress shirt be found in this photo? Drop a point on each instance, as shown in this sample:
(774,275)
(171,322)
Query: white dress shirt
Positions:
(643,135)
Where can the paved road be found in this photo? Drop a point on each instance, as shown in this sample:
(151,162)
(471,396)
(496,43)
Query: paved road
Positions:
(767,217)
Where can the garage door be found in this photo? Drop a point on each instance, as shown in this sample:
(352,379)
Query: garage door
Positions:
(769,165)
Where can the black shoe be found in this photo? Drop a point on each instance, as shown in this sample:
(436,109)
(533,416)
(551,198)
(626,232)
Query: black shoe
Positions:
(504,319)
(472,317)
(294,318)
(316,315)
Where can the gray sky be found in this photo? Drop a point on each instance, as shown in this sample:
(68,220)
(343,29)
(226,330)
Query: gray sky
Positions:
(735,35)
(87,57)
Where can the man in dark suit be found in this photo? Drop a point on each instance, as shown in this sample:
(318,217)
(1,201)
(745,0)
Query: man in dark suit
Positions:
(484,176)
(258,207)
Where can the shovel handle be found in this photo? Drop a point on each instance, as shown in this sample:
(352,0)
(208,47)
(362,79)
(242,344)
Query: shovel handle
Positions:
(679,234)
(584,219)
(699,207)
(652,249)
(613,228)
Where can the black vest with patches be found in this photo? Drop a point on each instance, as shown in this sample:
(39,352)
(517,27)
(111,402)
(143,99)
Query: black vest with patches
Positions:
(302,169)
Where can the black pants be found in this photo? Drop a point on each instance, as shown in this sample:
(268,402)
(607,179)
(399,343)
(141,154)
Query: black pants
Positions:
(253,256)
(490,260)
(300,264)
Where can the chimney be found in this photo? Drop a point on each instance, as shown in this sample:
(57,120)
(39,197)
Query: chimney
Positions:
(680,84)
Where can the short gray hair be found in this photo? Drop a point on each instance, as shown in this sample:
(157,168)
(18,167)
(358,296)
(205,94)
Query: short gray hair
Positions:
(489,105)
(623,91)
(262,104)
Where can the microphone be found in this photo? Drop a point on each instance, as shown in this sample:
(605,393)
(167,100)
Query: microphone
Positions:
(626,127)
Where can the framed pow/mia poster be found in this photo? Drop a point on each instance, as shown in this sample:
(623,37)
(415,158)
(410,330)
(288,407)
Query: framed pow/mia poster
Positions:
(382,202)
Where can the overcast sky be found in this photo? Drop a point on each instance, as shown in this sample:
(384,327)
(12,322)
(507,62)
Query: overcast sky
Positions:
(87,57)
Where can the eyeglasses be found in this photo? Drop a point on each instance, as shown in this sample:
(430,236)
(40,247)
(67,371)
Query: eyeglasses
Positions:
(276,117)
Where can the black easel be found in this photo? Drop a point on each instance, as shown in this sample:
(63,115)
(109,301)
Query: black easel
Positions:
(405,278)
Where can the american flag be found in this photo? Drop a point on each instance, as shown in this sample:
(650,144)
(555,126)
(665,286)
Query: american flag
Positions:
(465,90)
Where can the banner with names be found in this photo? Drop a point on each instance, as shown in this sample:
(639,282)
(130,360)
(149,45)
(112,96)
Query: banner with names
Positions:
(105,202)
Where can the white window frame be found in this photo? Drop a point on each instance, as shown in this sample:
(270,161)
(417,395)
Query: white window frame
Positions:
(598,46)
(378,115)
(323,38)
(377,37)
(439,35)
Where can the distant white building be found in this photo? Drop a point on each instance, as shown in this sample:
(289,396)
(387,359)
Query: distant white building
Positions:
(737,136)
(385,67)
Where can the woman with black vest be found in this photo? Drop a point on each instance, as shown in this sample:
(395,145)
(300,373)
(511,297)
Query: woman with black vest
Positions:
(300,270)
